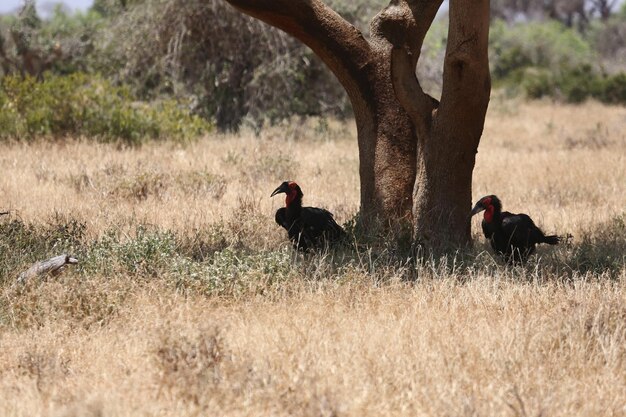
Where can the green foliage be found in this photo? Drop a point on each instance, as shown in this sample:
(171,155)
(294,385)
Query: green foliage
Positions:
(238,70)
(612,89)
(546,45)
(64,42)
(81,105)
(549,59)
(575,85)
(538,83)
(204,262)
(147,253)
(28,15)
(76,35)
(109,8)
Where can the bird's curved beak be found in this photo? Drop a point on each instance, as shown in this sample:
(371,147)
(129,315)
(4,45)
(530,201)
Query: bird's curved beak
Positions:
(282,188)
(477,208)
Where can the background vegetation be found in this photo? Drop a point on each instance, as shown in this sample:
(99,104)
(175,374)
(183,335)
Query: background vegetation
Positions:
(237,71)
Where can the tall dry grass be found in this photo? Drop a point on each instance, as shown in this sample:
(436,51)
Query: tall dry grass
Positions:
(331,334)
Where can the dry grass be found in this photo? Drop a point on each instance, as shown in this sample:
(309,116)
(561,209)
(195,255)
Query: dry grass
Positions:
(327,335)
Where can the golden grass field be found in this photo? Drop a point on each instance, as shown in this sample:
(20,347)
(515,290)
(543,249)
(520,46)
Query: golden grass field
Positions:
(315,335)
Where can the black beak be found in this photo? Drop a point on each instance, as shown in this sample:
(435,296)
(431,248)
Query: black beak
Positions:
(477,208)
(282,188)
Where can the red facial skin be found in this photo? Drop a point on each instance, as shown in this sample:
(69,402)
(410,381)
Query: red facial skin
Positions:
(292,194)
(488,210)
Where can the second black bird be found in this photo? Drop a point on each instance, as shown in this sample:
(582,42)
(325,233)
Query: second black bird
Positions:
(514,236)
(307,227)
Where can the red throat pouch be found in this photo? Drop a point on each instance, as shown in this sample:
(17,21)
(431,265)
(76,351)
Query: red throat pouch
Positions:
(489,213)
(290,197)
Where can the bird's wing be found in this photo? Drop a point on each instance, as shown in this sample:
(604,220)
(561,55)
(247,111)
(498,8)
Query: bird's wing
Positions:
(281,217)
(521,229)
(317,221)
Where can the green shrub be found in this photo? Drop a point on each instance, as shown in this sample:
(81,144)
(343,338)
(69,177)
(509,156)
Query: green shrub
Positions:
(88,105)
(575,85)
(547,45)
(612,89)
(237,68)
(547,59)
(538,83)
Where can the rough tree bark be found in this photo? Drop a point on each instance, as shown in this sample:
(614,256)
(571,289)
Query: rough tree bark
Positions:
(416,155)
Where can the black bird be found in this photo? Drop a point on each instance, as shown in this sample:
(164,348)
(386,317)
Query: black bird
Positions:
(307,227)
(513,236)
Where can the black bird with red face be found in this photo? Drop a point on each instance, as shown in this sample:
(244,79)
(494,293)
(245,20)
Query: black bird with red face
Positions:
(513,236)
(307,227)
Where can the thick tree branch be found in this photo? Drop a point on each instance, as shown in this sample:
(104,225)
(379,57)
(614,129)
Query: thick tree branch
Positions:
(466,80)
(337,42)
(415,102)
(404,24)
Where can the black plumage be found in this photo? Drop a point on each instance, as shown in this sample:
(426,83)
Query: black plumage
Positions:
(514,236)
(307,227)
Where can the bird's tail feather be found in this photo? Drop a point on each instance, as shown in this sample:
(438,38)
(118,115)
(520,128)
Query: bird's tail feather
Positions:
(552,239)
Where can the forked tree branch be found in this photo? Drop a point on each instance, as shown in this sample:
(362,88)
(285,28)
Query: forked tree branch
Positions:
(424,12)
(466,80)
(404,23)
(415,102)
(337,42)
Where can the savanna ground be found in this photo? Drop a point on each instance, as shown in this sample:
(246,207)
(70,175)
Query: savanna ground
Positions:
(189,300)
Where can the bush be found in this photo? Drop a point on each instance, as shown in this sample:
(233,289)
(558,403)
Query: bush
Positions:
(613,89)
(236,67)
(544,45)
(575,85)
(538,83)
(81,105)
(547,59)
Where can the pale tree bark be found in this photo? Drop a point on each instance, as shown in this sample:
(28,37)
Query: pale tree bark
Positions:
(416,155)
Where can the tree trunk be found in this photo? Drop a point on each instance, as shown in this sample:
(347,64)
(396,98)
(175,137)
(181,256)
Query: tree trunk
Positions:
(387,150)
(448,132)
(416,155)
(443,190)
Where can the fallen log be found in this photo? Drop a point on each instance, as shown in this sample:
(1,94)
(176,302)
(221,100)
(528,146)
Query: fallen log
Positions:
(53,266)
